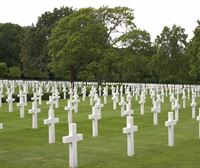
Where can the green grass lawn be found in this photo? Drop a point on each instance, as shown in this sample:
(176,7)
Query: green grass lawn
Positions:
(24,147)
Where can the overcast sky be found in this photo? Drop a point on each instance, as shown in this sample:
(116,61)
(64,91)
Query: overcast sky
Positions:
(151,15)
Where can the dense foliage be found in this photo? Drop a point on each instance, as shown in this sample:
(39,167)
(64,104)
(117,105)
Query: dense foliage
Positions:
(98,45)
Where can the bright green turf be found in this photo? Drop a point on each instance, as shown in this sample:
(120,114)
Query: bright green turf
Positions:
(23,147)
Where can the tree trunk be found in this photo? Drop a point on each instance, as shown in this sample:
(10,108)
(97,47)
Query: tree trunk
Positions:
(72,76)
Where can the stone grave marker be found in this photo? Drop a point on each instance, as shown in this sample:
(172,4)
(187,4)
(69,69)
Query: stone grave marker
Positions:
(95,116)
(170,124)
(130,129)
(72,140)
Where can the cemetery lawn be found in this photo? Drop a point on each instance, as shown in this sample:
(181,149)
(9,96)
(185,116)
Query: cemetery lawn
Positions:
(24,147)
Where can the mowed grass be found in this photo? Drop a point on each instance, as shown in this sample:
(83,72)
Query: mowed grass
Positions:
(24,147)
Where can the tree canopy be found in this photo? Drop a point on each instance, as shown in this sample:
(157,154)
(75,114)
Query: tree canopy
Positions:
(101,44)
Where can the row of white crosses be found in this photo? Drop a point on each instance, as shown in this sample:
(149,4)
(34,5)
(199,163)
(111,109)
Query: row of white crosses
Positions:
(96,115)
(129,130)
(72,105)
(126,110)
(73,137)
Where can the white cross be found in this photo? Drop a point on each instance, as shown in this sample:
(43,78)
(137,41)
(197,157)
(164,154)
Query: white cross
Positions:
(136,94)
(172,101)
(155,113)
(10,102)
(40,94)
(105,94)
(95,116)
(51,121)
(159,102)
(128,111)
(34,98)
(141,102)
(198,119)
(34,112)
(117,94)
(166,91)
(69,109)
(21,104)
(83,93)
(176,109)
(184,99)
(122,104)
(121,91)
(64,92)
(162,95)
(193,105)
(70,92)
(130,129)
(72,139)
(129,98)
(170,124)
(25,91)
(51,102)
(91,95)
(98,105)
(188,93)
(76,101)
(114,98)
(95,97)
(56,97)
(100,90)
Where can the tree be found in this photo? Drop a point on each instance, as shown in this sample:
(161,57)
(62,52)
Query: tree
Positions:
(75,42)
(118,20)
(193,52)
(34,52)
(109,66)
(3,69)
(171,64)
(138,41)
(139,50)
(10,39)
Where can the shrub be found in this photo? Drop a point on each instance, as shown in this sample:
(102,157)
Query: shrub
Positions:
(3,69)
(14,72)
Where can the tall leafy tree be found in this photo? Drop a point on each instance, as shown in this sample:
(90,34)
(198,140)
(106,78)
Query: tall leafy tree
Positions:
(10,39)
(193,52)
(171,62)
(29,53)
(75,42)
(34,49)
(138,43)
